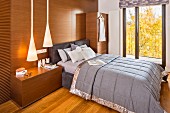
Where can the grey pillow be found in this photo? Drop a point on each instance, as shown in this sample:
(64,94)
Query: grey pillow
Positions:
(73,46)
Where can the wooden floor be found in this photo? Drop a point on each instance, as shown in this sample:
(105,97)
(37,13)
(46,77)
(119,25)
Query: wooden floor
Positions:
(61,101)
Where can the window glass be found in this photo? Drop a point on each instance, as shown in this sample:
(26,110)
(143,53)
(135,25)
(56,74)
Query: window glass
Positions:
(150,33)
(130,32)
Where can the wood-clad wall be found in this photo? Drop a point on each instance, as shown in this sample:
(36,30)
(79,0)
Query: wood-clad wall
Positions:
(63,24)
(5,64)
(64,20)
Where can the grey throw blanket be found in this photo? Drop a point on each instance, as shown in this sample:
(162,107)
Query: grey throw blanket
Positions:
(124,84)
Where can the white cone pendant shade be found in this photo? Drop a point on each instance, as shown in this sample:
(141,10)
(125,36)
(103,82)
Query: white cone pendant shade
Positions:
(47,37)
(32,53)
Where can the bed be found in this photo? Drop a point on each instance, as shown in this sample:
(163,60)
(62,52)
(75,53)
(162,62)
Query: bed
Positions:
(124,84)
(67,74)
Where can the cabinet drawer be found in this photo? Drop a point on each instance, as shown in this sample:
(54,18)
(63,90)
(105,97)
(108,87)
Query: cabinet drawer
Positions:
(40,86)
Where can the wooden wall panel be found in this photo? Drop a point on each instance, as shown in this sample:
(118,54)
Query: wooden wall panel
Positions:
(92,29)
(5,64)
(64,22)
(63,19)
(80,26)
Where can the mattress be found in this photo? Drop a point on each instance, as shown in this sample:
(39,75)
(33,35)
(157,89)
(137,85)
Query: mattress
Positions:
(69,66)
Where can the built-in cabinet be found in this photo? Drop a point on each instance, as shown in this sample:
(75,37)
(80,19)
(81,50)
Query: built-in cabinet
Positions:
(92,32)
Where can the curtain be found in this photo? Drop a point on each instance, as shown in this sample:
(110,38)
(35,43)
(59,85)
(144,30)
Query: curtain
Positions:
(136,3)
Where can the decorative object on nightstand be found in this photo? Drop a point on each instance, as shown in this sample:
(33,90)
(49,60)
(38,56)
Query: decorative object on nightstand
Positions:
(43,63)
(20,72)
(42,82)
(47,37)
(39,63)
(47,60)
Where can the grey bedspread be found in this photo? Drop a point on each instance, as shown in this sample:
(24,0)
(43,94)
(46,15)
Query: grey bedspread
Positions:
(126,85)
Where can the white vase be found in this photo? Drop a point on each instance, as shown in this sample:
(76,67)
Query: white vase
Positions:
(43,62)
(39,63)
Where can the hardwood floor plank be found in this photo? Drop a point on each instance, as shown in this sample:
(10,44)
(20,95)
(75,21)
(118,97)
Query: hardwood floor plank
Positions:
(68,105)
(47,101)
(83,106)
(56,104)
(8,107)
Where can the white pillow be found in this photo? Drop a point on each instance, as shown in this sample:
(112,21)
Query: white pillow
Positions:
(88,53)
(63,54)
(75,55)
(79,49)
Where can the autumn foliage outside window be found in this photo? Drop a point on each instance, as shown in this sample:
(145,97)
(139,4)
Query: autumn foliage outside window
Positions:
(150,31)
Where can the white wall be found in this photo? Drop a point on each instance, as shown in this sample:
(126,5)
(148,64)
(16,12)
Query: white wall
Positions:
(114,28)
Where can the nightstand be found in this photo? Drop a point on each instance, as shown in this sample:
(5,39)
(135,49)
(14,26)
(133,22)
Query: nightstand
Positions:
(42,82)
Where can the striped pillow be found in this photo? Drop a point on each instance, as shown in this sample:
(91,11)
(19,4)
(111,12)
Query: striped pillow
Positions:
(64,55)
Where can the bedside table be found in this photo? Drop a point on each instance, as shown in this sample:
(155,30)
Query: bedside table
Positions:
(42,82)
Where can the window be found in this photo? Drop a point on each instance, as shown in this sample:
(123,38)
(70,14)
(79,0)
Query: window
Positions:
(130,32)
(144,33)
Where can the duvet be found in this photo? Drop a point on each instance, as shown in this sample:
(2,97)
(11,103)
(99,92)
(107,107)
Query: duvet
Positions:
(123,84)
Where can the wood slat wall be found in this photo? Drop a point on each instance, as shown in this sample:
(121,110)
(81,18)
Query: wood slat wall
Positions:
(5,62)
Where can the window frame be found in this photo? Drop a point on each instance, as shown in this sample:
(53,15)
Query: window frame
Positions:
(137,34)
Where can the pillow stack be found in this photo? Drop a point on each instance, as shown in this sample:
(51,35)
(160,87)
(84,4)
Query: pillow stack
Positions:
(76,53)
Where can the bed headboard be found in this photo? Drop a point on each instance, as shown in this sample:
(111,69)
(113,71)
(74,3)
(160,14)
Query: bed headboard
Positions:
(53,52)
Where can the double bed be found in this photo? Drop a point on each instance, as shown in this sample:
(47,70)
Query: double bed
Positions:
(69,67)
(126,85)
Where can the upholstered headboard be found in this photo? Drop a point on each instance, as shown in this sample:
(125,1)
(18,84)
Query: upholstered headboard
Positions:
(53,52)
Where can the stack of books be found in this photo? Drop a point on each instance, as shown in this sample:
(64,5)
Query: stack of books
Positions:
(49,66)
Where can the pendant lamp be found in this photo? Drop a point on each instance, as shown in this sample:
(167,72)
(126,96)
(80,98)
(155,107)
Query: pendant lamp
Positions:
(32,53)
(47,37)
